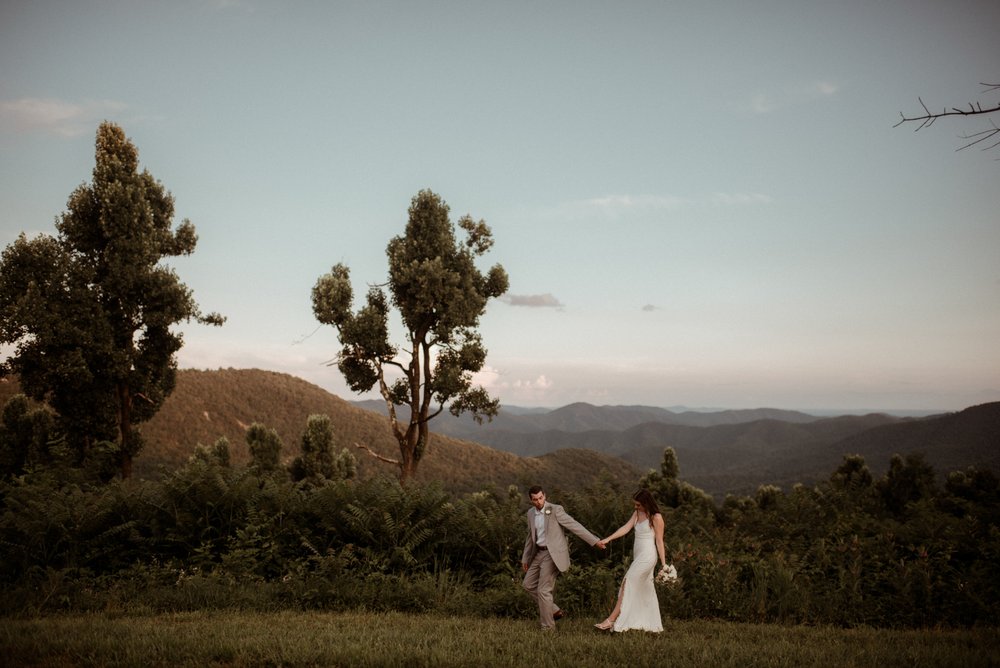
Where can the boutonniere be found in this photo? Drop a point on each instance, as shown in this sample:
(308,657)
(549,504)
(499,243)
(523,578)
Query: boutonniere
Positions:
(548,511)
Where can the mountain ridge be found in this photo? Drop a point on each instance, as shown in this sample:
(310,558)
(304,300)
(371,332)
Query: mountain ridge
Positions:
(722,456)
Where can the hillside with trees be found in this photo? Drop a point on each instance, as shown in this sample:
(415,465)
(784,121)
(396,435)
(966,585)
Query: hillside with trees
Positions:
(223,403)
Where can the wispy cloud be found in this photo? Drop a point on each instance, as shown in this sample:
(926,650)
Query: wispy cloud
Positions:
(635,202)
(762,103)
(625,206)
(740,199)
(765,102)
(614,206)
(56,117)
(536,301)
(513,391)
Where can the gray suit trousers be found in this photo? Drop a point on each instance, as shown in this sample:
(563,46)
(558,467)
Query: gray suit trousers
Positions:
(540,581)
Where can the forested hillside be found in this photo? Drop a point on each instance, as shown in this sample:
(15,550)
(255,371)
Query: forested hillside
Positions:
(208,405)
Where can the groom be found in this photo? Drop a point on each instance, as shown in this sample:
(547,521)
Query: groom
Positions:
(546,553)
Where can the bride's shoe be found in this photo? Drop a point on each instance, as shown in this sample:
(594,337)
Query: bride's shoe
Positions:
(606,625)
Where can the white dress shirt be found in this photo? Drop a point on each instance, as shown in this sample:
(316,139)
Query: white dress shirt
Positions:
(540,528)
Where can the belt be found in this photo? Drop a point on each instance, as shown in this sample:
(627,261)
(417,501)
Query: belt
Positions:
(541,547)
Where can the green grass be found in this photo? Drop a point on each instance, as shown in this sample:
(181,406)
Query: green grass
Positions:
(235,638)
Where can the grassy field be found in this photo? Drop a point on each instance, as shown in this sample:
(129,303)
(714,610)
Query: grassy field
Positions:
(358,639)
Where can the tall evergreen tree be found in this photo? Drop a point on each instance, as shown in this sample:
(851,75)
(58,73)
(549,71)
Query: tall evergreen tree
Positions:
(90,311)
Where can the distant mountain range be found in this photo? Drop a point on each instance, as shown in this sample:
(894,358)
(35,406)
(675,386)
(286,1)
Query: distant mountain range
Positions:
(735,451)
(579,417)
(722,452)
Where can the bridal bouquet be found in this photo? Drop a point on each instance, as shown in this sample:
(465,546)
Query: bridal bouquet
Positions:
(667,574)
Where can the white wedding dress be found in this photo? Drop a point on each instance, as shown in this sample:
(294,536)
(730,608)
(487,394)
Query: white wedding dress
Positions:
(640,609)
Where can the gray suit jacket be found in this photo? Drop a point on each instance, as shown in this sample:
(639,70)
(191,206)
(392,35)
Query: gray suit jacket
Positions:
(556,519)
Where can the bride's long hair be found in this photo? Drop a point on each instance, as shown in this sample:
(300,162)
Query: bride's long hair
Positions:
(647,502)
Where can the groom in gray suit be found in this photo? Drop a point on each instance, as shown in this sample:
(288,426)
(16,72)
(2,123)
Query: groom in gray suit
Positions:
(546,553)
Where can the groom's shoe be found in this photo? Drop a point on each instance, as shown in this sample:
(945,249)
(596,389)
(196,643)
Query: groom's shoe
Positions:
(558,614)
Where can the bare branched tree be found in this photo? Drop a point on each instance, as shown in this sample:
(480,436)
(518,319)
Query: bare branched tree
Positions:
(991,135)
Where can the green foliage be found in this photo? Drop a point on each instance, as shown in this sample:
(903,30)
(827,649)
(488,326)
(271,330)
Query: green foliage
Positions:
(265,448)
(90,311)
(440,295)
(212,535)
(318,463)
(27,437)
(672,492)
(50,524)
(487,530)
(907,481)
(216,454)
(397,528)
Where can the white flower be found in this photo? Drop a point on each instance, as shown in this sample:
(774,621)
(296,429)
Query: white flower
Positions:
(548,511)
(667,574)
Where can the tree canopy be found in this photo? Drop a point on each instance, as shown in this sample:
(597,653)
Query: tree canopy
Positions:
(440,295)
(90,310)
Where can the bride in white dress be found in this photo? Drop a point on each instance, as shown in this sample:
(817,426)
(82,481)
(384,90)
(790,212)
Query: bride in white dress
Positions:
(637,606)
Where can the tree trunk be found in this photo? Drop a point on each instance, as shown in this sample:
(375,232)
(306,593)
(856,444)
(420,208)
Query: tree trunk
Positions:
(125,429)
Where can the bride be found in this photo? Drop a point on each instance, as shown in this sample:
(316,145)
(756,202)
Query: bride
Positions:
(637,606)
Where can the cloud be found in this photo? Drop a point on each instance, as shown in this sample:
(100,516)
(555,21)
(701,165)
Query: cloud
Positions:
(646,206)
(540,383)
(761,103)
(56,117)
(825,88)
(521,390)
(648,308)
(536,301)
(740,199)
(635,202)
(615,206)
(765,102)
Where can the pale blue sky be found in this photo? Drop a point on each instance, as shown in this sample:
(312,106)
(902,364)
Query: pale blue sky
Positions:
(698,203)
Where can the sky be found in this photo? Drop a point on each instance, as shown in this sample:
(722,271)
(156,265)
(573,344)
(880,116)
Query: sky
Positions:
(699,204)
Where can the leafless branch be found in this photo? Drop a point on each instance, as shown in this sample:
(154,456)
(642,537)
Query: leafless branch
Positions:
(984,135)
(928,118)
(387,460)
